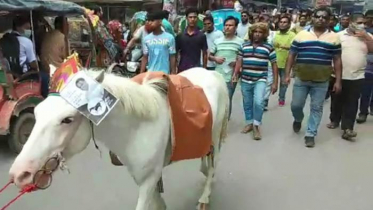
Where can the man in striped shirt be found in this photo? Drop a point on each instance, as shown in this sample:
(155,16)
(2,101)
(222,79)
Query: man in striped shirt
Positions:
(252,64)
(313,52)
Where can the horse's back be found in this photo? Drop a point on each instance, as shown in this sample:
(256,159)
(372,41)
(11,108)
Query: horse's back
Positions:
(212,83)
(214,87)
(203,78)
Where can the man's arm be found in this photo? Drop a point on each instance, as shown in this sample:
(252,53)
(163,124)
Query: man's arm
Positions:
(211,55)
(337,60)
(136,38)
(238,66)
(204,51)
(173,63)
(204,54)
(144,62)
(172,51)
(63,49)
(294,48)
(130,45)
(289,65)
(30,56)
(275,77)
(369,42)
(145,58)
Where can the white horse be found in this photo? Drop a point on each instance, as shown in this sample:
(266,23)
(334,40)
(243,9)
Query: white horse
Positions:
(137,130)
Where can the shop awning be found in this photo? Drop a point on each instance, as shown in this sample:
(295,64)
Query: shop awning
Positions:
(115,1)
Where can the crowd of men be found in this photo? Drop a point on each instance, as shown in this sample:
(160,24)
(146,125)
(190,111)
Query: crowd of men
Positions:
(325,58)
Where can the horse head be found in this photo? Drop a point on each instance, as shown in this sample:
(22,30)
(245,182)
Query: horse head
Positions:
(59,130)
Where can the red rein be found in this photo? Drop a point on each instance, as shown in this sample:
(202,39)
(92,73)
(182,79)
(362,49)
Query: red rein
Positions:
(25,190)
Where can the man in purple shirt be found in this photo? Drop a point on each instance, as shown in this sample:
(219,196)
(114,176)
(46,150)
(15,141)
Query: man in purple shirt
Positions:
(191,43)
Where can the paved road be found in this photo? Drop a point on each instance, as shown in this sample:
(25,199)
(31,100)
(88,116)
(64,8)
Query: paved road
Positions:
(275,173)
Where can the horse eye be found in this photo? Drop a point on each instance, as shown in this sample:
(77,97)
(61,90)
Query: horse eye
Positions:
(66,121)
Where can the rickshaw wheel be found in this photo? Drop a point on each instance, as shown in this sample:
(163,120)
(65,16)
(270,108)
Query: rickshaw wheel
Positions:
(21,128)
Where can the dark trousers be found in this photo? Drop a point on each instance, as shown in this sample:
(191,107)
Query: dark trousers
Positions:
(231,88)
(44,76)
(330,88)
(366,100)
(345,104)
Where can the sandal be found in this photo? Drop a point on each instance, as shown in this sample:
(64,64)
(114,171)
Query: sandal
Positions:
(256,133)
(247,129)
(332,125)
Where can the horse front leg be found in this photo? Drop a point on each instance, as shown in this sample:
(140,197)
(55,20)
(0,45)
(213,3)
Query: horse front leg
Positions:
(149,196)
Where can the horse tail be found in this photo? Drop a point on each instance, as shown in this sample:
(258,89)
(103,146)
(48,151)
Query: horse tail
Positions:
(223,134)
(224,128)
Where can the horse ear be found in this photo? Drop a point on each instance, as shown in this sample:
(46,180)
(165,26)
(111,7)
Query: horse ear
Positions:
(100,77)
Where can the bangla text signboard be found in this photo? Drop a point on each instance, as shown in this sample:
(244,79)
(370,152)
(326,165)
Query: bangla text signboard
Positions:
(227,3)
(321,3)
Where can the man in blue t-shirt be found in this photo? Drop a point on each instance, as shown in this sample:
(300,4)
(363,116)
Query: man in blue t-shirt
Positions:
(158,47)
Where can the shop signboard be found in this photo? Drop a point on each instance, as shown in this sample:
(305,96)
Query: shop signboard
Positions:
(323,3)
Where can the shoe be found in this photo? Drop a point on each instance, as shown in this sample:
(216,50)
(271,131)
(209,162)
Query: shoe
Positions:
(256,133)
(265,109)
(297,126)
(361,119)
(349,135)
(281,103)
(371,110)
(310,141)
(332,125)
(247,129)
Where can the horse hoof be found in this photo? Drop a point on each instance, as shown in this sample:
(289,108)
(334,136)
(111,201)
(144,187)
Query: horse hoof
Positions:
(202,206)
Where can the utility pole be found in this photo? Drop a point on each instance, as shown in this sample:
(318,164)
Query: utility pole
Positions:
(279,3)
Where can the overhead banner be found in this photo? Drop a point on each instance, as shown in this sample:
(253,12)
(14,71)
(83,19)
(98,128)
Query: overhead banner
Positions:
(220,15)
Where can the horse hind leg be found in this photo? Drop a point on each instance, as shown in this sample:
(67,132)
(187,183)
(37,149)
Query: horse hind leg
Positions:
(204,167)
(205,198)
(211,160)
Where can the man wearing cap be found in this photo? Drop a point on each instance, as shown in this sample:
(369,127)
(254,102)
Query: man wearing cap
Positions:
(158,47)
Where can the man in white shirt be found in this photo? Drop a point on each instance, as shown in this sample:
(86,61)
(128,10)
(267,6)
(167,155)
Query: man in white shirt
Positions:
(356,44)
(244,26)
(27,58)
(211,35)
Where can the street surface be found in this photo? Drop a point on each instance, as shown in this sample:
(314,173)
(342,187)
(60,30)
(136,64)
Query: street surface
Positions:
(277,173)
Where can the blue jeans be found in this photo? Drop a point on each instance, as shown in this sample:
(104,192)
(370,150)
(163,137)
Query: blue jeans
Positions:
(253,101)
(268,87)
(317,91)
(283,86)
(231,88)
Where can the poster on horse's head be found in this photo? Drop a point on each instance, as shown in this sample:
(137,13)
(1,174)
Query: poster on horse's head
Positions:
(89,97)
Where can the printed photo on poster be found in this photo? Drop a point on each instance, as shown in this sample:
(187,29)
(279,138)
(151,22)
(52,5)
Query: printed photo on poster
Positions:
(89,97)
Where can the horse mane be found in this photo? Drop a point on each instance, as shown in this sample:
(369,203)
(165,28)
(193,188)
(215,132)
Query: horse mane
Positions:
(143,100)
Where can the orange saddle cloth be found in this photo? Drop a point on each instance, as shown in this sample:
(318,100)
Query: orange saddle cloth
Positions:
(191,116)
